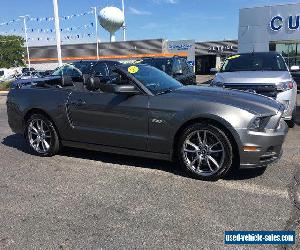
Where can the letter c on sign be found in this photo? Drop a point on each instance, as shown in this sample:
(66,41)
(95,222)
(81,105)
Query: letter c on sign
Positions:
(276,23)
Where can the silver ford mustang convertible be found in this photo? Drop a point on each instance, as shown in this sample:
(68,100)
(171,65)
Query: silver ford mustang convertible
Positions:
(141,111)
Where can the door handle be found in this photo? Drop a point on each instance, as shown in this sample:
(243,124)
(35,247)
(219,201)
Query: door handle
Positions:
(78,102)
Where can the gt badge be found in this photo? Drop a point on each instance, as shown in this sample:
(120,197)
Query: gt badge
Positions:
(157,121)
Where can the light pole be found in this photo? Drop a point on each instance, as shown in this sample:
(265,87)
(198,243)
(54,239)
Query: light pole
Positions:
(96,30)
(57,32)
(26,39)
(124,24)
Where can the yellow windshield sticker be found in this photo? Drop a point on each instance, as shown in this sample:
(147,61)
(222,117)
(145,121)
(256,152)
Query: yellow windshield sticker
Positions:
(133,69)
(233,57)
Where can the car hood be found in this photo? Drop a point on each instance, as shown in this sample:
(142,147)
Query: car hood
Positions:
(246,77)
(254,103)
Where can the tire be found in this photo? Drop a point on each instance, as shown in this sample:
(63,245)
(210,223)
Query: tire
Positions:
(207,161)
(41,136)
(291,123)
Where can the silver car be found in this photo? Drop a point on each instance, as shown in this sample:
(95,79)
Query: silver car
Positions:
(144,112)
(263,73)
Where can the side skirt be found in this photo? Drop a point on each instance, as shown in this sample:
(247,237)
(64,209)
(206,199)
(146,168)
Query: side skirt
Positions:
(116,150)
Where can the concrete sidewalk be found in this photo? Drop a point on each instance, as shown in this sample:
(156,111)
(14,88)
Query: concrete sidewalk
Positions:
(204,79)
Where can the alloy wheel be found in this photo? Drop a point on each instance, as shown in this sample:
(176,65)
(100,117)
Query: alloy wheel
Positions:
(203,152)
(39,136)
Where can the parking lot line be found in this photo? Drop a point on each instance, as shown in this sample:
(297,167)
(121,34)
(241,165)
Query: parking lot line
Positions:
(253,188)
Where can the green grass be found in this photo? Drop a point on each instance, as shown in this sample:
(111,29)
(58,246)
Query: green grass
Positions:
(5,85)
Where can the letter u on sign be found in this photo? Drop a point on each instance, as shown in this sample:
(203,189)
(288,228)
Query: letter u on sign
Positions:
(294,22)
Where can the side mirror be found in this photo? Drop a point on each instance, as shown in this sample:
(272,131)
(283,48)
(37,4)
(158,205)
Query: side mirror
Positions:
(119,89)
(295,68)
(126,89)
(214,70)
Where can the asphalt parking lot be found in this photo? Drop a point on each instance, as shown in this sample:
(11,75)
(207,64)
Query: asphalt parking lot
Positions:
(83,199)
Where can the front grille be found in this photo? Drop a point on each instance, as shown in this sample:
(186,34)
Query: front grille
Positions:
(259,88)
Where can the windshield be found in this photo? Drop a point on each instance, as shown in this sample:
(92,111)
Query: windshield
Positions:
(153,79)
(68,69)
(82,67)
(254,62)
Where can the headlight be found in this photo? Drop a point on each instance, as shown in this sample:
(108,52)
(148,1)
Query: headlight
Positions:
(217,84)
(283,86)
(258,123)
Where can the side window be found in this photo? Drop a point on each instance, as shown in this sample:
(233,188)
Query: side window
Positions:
(100,69)
(1,72)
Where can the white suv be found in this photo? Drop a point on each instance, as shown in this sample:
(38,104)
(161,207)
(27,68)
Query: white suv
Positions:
(264,73)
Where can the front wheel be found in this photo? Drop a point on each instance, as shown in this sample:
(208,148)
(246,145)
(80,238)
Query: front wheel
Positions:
(41,135)
(205,151)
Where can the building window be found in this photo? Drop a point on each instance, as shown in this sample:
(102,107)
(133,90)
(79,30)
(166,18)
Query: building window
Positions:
(289,51)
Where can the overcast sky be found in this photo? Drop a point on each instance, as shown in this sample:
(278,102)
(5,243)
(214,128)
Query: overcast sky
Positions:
(201,20)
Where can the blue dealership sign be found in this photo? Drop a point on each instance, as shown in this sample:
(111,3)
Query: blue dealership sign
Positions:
(180,47)
(277,23)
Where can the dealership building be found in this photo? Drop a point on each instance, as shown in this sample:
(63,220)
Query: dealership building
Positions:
(260,29)
(271,28)
(202,55)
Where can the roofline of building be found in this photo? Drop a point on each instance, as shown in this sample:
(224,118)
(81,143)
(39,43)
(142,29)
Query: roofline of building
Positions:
(218,41)
(263,6)
(93,43)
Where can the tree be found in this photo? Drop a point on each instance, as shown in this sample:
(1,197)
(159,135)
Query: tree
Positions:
(12,51)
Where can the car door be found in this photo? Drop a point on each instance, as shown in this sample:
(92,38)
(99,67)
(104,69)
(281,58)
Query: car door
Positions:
(110,119)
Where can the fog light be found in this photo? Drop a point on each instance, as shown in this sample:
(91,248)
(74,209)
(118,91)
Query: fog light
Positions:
(251,149)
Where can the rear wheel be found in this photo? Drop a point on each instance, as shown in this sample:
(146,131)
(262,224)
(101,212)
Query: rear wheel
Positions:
(205,151)
(41,135)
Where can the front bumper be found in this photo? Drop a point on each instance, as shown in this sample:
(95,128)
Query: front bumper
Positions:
(289,100)
(269,146)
